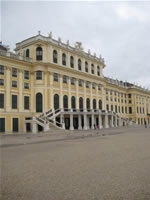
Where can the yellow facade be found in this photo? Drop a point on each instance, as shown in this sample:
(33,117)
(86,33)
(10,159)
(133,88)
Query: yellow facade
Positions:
(127,100)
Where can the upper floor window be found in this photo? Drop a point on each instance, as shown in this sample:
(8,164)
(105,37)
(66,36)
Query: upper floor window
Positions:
(26,102)
(55,77)
(38,75)
(64,79)
(87,84)
(80,82)
(14,84)
(1,69)
(93,85)
(55,56)
(106,91)
(1,100)
(1,81)
(79,64)
(71,62)
(72,81)
(39,53)
(98,71)
(26,75)
(26,85)
(99,86)
(129,95)
(27,53)
(64,59)
(111,92)
(86,67)
(130,110)
(14,72)
(92,68)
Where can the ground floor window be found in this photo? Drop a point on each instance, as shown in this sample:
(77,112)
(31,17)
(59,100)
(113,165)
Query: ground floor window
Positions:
(15,123)
(2,124)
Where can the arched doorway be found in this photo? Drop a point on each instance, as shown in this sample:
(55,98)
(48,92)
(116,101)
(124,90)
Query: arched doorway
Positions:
(56,101)
(39,102)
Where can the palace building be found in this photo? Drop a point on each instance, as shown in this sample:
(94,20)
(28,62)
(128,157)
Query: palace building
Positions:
(48,84)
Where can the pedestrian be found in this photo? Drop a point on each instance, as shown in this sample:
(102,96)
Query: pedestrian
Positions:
(145,124)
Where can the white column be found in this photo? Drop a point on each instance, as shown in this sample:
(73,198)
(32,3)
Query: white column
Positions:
(71,122)
(20,91)
(85,122)
(79,122)
(45,107)
(77,94)
(51,91)
(46,127)
(69,96)
(92,123)
(61,93)
(112,121)
(34,126)
(106,121)
(8,97)
(115,121)
(100,121)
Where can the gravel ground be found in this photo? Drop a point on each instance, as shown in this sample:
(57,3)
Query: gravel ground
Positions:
(110,167)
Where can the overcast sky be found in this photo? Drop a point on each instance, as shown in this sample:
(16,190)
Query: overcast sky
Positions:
(120,31)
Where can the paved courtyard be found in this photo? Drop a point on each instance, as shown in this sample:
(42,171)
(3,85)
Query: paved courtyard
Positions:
(110,164)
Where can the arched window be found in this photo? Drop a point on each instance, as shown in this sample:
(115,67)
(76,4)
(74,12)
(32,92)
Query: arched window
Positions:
(64,59)
(71,62)
(39,102)
(27,53)
(81,104)
(56,101)
(55,56)
(94,104)
(92,68)
(79,64)
(98,71)
(100,104)
(111,107)
(86,67)
(39,53)
(88,104)
(73,102)
(65,102)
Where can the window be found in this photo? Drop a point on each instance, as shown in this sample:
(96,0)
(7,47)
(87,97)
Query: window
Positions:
(65,102)
(81,104)
(14,101)
(79,64)
(55,77)
(26,85)
(115,93)
(72,81)
(111,99)
(1,100)
(111,107)
(86,67)
(130,110)
(106,98)
(38,75)
(26,75)
(87,84)
(99,86)
(107,107)
(56,101)
(27,53)
(129,95)
(130,101)
(98,71)
(80,82)
(88,104)
(64,59)
(73,102)
(100,104)
(137,110)
(1,81)
(26,102)
(64,79)
(106,91)
(71,62)
(122,109)
(94,104)
(116,108)
(1,69)
(39,102)
(93,85)
(110,92)
(14,84)
(126,109)
(14,72)
(92,68)
(39,53)
(55,56)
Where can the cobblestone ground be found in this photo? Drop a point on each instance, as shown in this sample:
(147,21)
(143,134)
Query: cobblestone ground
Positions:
(108,167)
